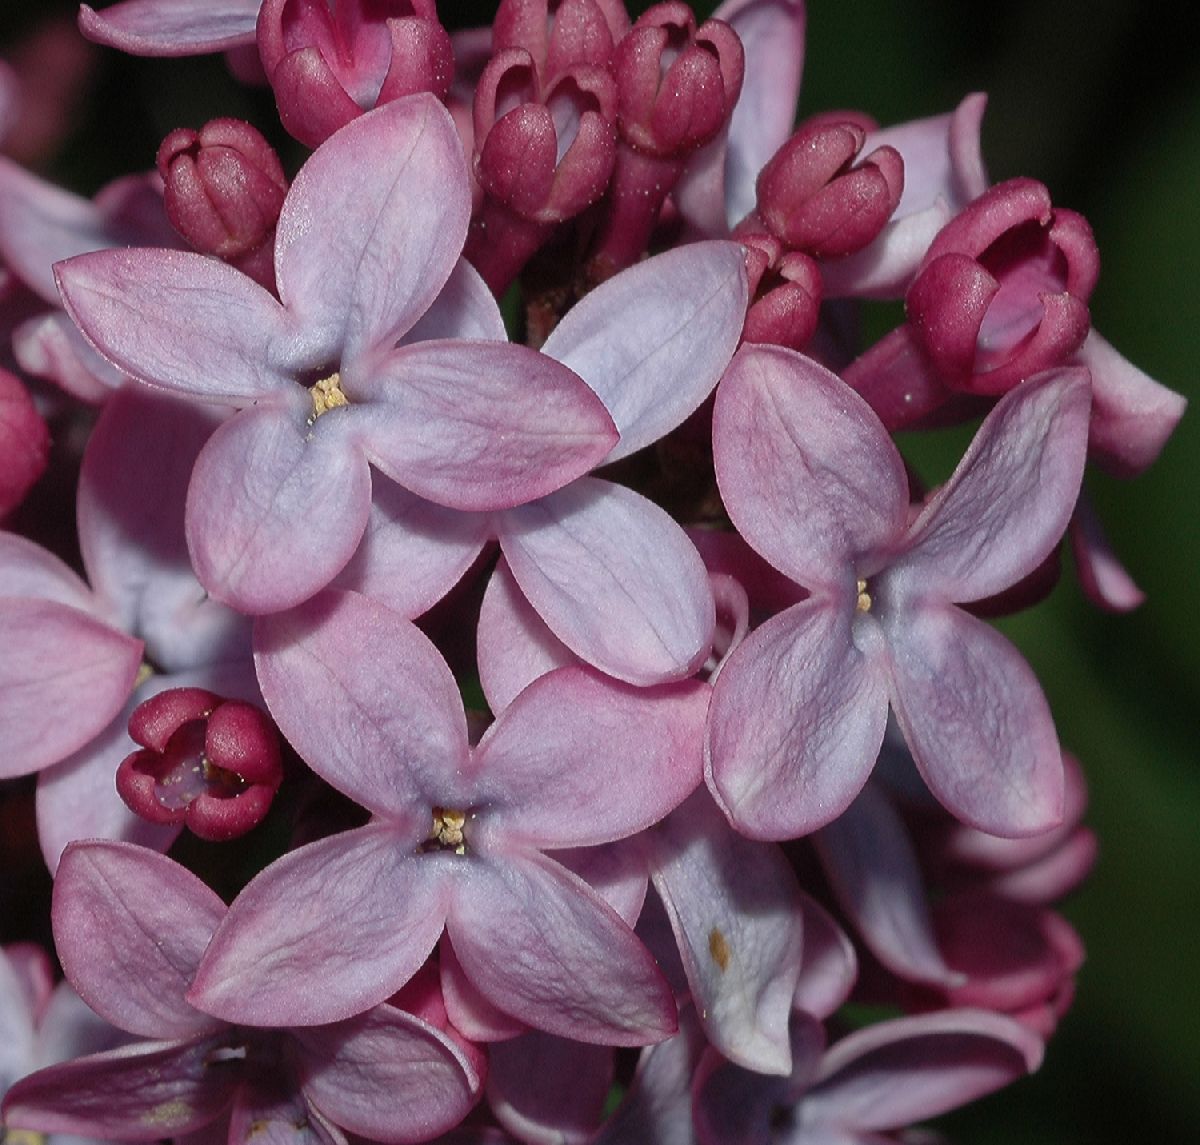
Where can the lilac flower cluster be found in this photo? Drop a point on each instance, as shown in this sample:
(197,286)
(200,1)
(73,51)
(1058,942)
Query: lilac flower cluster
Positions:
(731,648)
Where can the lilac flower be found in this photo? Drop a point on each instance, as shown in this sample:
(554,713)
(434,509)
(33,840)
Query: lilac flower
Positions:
(130,926)
(171,27)
(280,497)
(813,482)
(457,836)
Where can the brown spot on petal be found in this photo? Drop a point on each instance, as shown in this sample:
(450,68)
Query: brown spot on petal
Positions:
(718,947)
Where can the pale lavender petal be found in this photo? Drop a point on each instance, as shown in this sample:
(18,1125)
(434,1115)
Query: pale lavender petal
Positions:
(16,1025)
(808,474)
(829,967)
(654,340)
(976,721)
(130,926)
(413,551)
(360,259)
(28,570)
(327,931)
(274,513)
(171,27)
(272,1113)
(467,1009)
(734,906)
(578,759)
(392,733)
(616,871)
(144,1091)
(387,1076)
(1009,500)
(466,308)
(1103,577)
(181,320)
(796,721)
(1132,414)
(514,645)
(615,579)
(894,1073)
(477,425)
(540,944)
(51,347)
(63,677)
(872,868)
(70,1028)
(548,1090)
(885,267)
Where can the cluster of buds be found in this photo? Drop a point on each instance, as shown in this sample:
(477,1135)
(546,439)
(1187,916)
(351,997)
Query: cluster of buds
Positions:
(741,749)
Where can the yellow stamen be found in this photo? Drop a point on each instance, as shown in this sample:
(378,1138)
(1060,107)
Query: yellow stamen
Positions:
(448,830)
(327,394)
(864,598)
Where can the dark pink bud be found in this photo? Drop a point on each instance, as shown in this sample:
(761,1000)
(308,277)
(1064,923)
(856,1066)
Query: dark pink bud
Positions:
(328,63)
(1002,292)
(24,442)
(211,763)
(562,35)
(676,83)
(224,187)
(818,196)
(786,304)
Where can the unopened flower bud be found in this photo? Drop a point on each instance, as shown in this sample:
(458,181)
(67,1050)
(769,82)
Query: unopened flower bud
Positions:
(24,442)
(560,35)
(211,763)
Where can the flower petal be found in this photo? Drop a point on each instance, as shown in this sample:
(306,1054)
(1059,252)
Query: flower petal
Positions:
(171,27)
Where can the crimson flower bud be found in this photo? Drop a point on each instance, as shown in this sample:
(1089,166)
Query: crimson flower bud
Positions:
(816,198)
(328,63)
(210,763)
(24,442)
(224,187)
(560,34)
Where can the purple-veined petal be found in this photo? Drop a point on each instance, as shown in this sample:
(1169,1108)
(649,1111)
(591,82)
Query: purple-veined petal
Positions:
(796,721)
(540,944)
(976,721)
(477,425)
(361,259)
(144,1091)
(896,1072)
(616,871)
(171,27)
(466,308)
(615,579)
(387,1076)
(872,868)
(513,644)
(654,340)
(181,320)
(829,967)
(1009,500)
(130,926)
(734,906)
(273,513)
(413,551)
(63,677)
(467,1009)
(327,931)
(808,474)
(578,759)
(392,733)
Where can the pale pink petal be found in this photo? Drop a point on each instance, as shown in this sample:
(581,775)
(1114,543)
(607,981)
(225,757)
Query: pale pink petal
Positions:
(181,320)
(51,347)
(327,931)
(16,1022)
(387,1076)
(808,474)
(976,722)
(359,260)
(615,579)
(654,340)
(274,513)
(796,721)
(1009,500)
(513,644)
(829,967)
(467,1009)
(540,944)
(1101,573)
(466,308)
(27,569)
(130,926)
(734,906)
(63,677)
(171,27)
(272,1114)
(477,425)
(578,759)
(392,733)
(616,871)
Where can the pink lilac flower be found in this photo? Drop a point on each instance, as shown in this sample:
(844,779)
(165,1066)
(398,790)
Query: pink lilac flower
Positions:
(457,836)
(171,27)
(280,497)
(813,482)
(130,927)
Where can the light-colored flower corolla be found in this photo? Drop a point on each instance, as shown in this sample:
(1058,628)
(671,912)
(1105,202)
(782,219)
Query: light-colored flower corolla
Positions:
(813,482)
(368,236)
(171,27)
(457,837)
(130,926)
(78,659)
(609,571)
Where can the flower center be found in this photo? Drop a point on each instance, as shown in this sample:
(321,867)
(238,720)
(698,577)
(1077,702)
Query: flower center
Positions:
(448,832)
(863,604)
(327,394)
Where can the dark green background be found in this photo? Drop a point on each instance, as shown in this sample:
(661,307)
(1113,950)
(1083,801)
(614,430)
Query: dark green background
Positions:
(1101,101)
